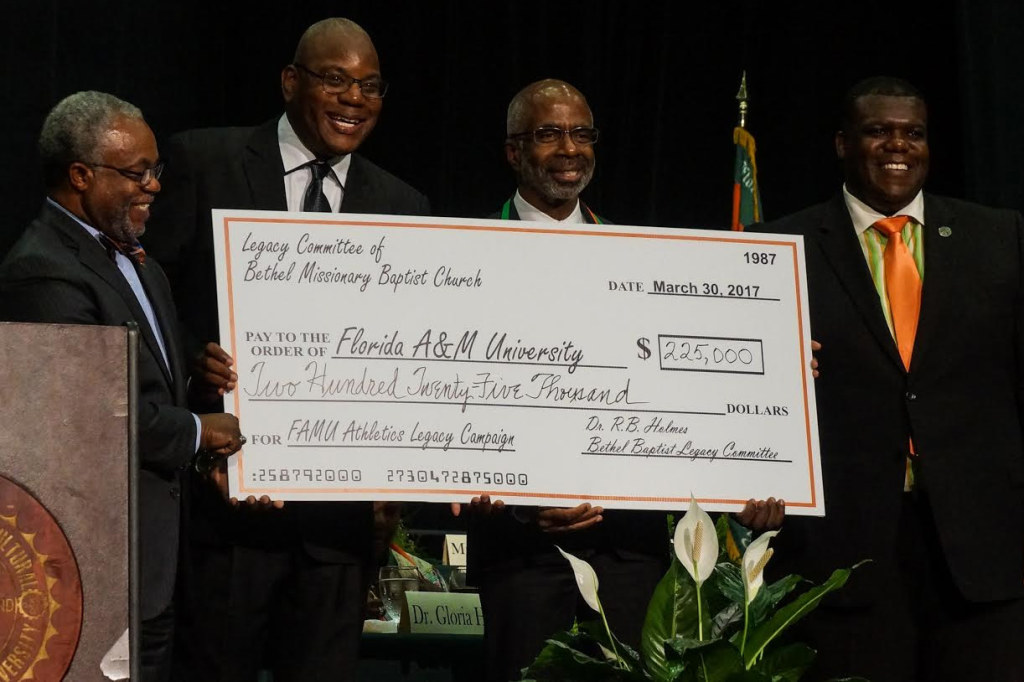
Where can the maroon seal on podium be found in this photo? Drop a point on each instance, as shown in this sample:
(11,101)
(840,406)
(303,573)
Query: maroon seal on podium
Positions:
(40,590)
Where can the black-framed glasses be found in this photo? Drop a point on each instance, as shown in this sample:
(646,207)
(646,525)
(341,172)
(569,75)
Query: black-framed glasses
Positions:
(337,83)
(580,135)
(142,177)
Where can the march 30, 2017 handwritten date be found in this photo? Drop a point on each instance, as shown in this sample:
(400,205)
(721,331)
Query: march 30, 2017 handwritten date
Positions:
(386,357)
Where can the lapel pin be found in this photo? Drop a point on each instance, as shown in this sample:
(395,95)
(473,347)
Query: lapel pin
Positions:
(945,231)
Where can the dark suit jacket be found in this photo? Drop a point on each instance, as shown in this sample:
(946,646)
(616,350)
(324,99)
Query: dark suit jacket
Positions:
(57,272)
(238,168)
(502,540)
(961,400)
(241,168)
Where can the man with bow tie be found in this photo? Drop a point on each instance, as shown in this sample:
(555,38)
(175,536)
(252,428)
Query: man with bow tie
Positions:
(80,262)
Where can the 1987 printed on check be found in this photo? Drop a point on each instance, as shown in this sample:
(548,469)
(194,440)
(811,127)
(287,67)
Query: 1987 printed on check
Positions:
(383,357)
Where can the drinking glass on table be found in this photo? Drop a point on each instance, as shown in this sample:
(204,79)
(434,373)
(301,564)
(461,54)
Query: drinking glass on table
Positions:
(457,579)
(393,583)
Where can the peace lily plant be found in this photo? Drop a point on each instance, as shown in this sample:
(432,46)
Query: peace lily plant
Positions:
(712,617)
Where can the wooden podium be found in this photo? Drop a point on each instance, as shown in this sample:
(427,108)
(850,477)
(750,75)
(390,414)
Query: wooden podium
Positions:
(68,440)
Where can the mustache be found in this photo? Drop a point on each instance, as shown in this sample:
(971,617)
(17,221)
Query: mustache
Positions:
(577,164)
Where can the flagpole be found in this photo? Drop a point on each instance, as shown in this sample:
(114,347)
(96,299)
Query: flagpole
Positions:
(746,201)
(742,98)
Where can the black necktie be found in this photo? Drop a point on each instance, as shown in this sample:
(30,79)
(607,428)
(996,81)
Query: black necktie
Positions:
(314,200)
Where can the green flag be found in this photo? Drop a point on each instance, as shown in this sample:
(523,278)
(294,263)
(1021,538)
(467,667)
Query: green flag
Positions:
(746,199)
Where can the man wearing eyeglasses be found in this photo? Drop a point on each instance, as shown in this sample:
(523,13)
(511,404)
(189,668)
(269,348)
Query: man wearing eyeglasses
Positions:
(550,146)
(527,589)
(80,262)
(277,588)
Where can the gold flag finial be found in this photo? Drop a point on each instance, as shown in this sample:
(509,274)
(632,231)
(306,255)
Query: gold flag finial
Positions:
(741,97)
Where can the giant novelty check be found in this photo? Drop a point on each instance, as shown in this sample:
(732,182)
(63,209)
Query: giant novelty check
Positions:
(434,359)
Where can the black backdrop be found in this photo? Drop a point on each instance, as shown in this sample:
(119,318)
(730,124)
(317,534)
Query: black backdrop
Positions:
(661,77)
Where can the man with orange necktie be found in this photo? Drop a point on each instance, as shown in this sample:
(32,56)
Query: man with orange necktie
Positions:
(917,302)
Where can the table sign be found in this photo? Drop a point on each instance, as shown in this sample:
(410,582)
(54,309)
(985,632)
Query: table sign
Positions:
(454,550)
(401,358)
(442,613)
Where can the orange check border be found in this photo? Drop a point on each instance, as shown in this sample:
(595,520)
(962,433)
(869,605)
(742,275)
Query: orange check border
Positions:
(811,503)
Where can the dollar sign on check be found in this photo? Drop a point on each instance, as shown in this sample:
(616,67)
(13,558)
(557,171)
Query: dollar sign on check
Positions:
(645,351)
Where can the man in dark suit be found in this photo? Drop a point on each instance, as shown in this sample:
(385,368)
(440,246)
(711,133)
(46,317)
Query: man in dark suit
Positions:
(80,262)
(289,584)
(527,588)
(919,411)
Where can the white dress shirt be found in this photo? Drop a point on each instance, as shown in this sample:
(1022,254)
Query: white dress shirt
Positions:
(297,173)
(528,211)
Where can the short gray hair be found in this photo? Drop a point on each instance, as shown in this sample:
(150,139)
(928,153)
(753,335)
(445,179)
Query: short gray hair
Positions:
(72,130)
(521,107)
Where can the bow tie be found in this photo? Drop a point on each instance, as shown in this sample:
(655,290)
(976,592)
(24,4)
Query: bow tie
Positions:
(133,251)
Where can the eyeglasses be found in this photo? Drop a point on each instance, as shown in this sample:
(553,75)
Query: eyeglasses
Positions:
(337,83)
(580,135)
(142,177)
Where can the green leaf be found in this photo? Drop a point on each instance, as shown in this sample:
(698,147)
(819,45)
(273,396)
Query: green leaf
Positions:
(722,531)
(681,648)
(788,663)
(725,619)
(561,661)
(780,588)
(719,662)
(672,612)
(705,661)
(730,582)
(770,595)
(790,613)
(627,655)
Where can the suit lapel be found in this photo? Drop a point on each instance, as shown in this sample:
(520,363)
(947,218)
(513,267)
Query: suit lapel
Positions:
(843,253)
(360,194)
(264,169)
(163,312)
(93,256)
(939,270)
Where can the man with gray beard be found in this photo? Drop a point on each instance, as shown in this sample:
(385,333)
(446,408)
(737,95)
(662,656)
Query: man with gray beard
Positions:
(527,589)
(550,146)
(80,262)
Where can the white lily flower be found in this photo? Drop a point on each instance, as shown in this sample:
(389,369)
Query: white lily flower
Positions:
(754,560)
(586,579)
(696,542)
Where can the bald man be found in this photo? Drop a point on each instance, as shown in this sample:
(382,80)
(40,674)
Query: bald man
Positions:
(282,589)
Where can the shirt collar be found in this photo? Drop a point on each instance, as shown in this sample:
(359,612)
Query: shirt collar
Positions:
(88,228)
(528,211)
(294,154)
(864,216)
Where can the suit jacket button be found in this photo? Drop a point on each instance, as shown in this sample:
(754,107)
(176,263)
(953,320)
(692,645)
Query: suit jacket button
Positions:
(175,492)
(911,395)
